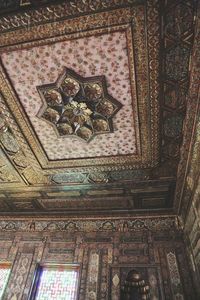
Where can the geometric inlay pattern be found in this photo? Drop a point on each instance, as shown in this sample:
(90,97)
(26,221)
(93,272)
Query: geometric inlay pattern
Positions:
(78,106)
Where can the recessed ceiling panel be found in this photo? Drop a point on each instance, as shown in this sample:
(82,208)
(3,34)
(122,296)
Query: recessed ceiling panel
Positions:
(102,55)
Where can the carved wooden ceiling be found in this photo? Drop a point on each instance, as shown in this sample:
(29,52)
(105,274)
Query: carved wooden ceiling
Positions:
(93,97)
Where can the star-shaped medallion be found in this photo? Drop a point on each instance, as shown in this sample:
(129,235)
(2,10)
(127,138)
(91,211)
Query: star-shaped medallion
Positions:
(78,106)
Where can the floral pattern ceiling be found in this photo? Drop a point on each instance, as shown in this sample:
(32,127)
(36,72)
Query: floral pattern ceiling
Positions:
(102,55)
(78,106)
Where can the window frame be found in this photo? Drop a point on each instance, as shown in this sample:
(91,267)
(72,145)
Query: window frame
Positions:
(49,265)
(7,264)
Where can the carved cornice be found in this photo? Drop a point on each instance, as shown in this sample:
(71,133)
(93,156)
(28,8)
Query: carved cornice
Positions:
(55,13)
(90,225)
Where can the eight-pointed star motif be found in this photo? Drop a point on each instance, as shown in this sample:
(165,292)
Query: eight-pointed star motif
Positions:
(78,106)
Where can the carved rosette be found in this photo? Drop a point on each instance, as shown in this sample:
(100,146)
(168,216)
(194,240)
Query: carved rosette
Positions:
(78,106)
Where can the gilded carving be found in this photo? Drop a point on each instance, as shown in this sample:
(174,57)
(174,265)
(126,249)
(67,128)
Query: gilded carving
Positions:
(78,106)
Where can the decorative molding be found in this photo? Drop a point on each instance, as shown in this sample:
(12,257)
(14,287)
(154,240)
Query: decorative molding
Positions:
(55,13)
(70,225)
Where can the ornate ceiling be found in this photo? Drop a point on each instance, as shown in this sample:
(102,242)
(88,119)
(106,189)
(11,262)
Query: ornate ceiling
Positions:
(78,107)
(92,106)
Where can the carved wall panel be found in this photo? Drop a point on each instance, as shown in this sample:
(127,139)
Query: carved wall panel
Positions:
(106,250)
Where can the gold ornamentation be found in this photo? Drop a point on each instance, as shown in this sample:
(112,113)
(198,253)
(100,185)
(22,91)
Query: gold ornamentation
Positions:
(105,108)
(77,113)
(51,115)
(100,125)
(65,129)
(85,133)
(70,87)
(72,105)
(93,91)
(53,97)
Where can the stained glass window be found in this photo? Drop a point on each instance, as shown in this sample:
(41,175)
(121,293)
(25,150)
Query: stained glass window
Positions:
(57,283)
(4,274)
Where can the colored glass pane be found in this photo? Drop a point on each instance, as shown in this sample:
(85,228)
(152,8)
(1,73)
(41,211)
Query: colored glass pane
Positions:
(57,284)
(4,274)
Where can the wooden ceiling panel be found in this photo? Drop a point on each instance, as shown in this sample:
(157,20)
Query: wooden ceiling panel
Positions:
(145,62)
